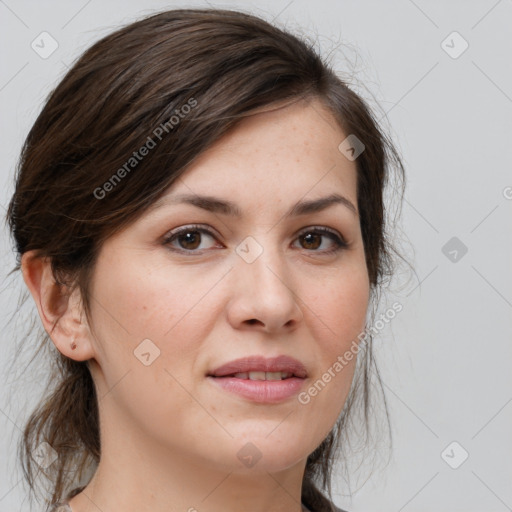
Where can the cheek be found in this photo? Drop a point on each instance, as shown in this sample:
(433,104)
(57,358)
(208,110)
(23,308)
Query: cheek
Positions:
(145,299)
(137,301)
(339,310)
(336,319)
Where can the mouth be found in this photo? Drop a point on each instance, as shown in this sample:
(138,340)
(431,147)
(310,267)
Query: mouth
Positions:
(261,368)
(255,375)
(260,379)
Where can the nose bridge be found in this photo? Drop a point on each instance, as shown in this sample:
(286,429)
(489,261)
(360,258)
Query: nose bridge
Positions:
(263,288)
(262,259)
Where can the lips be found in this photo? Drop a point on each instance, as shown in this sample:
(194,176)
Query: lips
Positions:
(261,368)
(260,379)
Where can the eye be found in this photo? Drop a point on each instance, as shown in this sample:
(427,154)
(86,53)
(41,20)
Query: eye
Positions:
(188,238)
(314,238)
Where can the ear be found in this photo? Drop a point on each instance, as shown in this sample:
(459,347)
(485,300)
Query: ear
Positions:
(60,311)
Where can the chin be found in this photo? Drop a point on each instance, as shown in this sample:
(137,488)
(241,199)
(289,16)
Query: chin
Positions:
(269,451)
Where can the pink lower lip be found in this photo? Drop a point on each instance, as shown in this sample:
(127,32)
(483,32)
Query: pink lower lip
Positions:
(263,391)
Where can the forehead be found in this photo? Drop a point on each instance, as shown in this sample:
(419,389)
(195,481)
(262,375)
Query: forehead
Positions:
(286,151)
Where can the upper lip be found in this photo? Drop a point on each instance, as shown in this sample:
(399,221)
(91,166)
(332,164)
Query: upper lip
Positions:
(261,364)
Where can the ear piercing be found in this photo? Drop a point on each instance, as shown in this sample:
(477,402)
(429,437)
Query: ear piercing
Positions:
(73,344)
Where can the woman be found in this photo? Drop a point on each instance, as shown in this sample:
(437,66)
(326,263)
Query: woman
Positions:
(199,218)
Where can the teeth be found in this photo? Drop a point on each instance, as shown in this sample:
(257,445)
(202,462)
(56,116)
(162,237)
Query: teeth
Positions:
(257,376)
(273,375)
(262,375)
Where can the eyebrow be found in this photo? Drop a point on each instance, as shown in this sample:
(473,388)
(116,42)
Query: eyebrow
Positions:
(216,205)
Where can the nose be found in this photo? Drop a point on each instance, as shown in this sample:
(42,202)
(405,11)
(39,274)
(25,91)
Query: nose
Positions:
(263,294)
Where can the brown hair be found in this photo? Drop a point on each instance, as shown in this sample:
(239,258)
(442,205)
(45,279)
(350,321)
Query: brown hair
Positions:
(224,64)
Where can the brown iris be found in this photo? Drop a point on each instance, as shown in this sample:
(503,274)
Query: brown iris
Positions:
(313,240)
(192,239)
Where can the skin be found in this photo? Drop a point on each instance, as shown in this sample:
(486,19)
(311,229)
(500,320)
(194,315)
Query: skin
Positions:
(170,437)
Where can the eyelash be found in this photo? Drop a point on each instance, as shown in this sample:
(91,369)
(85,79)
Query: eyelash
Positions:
(339,242)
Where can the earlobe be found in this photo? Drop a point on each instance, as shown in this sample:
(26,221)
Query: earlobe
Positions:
(59,312)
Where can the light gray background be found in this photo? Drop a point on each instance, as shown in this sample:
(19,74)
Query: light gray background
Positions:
(446,359)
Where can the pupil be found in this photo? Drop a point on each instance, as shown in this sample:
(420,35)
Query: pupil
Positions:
(310,242)
(191,240)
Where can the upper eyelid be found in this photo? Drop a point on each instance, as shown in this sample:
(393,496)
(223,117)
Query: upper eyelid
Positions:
(191,227)
(323,229)
(210,230)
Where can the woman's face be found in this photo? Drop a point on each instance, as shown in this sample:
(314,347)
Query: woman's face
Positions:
(191,286)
